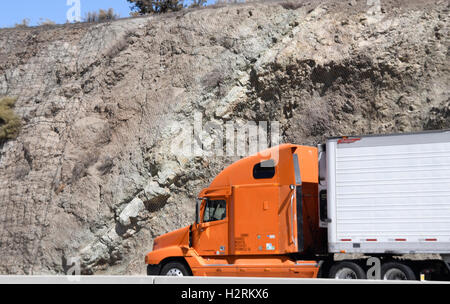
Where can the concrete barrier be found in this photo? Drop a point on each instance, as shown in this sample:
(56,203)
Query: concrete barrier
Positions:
(185,280)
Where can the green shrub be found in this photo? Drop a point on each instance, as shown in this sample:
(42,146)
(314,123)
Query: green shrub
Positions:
(10,123)
(156,6)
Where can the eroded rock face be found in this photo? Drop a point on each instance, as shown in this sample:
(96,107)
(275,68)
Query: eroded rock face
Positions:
(94,175)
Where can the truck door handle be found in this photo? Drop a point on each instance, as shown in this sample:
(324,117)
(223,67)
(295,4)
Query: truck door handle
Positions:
(292,215)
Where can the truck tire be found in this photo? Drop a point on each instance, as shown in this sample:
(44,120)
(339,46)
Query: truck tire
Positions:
(347,271)
(174,269)
(397,271)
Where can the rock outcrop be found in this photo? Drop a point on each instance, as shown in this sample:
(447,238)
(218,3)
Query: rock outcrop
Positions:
(93,174)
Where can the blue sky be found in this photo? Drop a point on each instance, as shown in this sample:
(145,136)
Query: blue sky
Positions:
(12,12)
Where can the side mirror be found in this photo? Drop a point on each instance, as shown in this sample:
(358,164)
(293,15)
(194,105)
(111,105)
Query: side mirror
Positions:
(197,211)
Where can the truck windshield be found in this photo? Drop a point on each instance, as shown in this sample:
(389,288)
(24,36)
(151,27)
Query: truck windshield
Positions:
(215,211)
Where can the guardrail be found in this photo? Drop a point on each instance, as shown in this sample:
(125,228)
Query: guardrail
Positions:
(186,280)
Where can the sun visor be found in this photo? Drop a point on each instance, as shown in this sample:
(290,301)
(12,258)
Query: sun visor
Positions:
(215,192)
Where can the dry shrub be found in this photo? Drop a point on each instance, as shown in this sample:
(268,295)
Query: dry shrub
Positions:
(289,5)
(101,16)
(197,3)
(46,22)
(23,24)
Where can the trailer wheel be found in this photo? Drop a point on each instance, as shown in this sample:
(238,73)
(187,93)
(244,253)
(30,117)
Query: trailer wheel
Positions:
(174,269)
(397,271)
(347,271)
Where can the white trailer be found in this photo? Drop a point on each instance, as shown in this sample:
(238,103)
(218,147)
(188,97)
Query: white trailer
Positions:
(389,194)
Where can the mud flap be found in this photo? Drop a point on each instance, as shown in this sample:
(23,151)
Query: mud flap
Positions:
(153,270)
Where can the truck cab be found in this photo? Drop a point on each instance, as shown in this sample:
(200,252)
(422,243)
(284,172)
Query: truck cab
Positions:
(259,217)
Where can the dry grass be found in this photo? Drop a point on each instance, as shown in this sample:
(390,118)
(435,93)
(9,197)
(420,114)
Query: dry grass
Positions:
(10,123)
(46,22)
(25,23)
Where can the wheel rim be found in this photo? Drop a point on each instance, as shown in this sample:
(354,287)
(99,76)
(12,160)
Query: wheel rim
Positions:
(346,274)
(174,272)
(395,274)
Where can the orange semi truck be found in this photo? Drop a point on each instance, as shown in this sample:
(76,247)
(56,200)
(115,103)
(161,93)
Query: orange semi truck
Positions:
(291,210)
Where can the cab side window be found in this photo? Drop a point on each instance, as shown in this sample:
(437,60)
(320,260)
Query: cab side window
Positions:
(265,169)
(215,211)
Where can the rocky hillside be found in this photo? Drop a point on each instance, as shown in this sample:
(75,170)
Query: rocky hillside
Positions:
(92,175)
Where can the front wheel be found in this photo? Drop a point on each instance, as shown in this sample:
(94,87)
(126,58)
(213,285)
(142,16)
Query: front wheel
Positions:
(347,271)
(174,269)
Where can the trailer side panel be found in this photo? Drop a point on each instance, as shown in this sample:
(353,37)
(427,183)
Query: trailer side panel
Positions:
(389,194)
